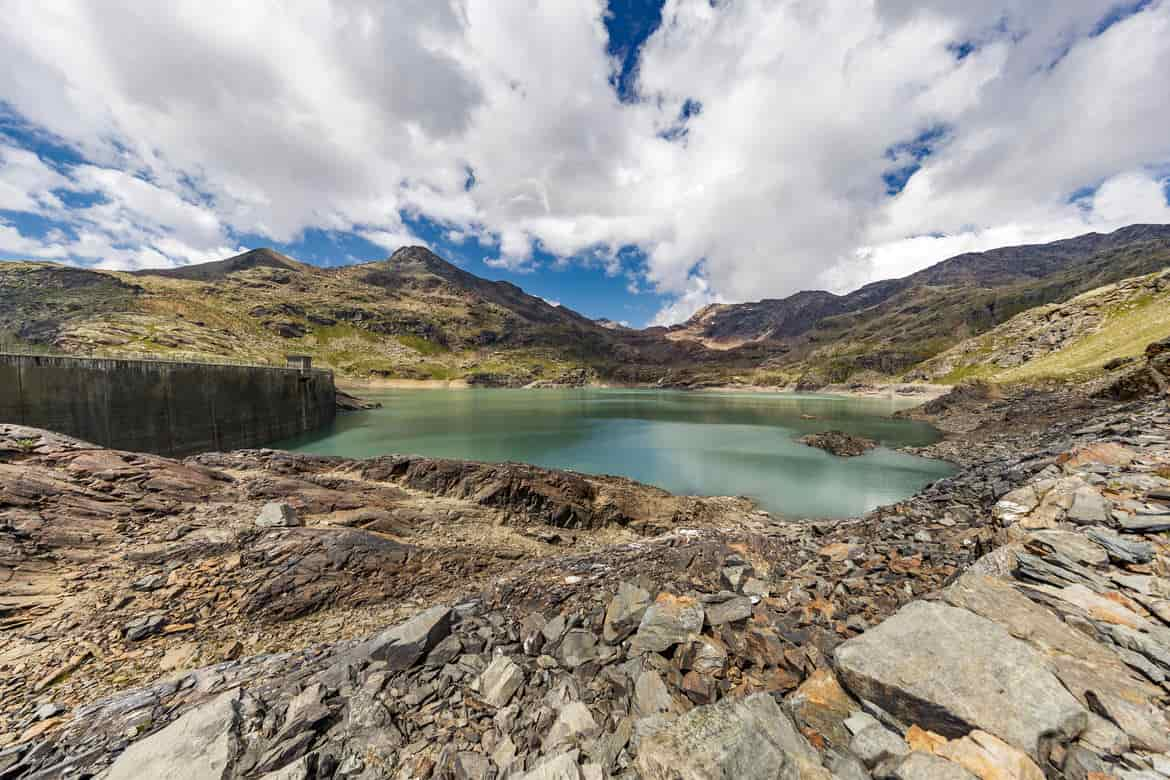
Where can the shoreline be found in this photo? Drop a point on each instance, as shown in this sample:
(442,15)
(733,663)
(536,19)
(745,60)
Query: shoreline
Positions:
(908,391)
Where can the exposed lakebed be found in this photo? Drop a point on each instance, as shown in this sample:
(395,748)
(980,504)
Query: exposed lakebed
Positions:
(686,442)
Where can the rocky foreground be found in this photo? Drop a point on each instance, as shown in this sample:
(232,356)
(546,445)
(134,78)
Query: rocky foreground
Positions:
(298,617)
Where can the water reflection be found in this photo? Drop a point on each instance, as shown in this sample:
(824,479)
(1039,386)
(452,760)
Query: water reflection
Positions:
(694,443)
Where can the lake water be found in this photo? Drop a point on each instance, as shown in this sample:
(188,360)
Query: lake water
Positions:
(686,442)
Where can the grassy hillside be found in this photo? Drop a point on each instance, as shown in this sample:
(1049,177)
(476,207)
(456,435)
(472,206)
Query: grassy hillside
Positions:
(415,316)
(411,316)
(1072,340)
(887,328)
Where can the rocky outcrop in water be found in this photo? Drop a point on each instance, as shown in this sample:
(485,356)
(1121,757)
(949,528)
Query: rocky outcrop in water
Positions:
(351,403)
(839,443)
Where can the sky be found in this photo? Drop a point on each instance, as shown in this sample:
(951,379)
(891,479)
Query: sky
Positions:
(631,159)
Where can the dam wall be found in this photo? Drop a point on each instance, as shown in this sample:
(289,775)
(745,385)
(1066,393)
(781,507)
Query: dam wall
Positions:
(168,408)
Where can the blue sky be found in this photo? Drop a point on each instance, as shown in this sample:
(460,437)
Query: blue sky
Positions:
(632,159)
(593,287)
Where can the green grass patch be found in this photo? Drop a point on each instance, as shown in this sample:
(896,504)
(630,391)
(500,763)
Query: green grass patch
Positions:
(328,333)
(1125,333)
(421,345)
(440,371)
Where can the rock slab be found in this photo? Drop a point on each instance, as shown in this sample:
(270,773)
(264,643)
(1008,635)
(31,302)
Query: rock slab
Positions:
(198,746)
(277,514)
(404,645)
(748,739)
(951,671)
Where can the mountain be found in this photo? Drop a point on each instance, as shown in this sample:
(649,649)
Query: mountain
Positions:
(220,269)
(889,326)
(416,316)
(411,316)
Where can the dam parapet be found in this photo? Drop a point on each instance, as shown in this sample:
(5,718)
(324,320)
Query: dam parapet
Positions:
(164,407)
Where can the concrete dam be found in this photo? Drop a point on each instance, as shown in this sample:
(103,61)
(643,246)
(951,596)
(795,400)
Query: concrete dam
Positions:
(167,408)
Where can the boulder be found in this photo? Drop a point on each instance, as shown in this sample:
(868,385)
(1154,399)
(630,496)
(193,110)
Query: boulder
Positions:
(402,646)
(924,766)
(668,621)
(560,767)
(748,738)
(985,756)
(574,723)
(875,744)
(1089,507)
(144,626)
(277,514)
(951,671)
(500,681)
(726,607)
(625,612)
(1088,669)
(199,745)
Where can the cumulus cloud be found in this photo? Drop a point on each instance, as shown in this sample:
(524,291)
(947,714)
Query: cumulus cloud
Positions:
(766,152)
(696,295)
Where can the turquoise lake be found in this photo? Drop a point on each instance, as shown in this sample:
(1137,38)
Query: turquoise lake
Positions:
(695,443)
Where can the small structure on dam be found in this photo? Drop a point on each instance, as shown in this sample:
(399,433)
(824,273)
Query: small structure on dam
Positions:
(299,362)
(165,407)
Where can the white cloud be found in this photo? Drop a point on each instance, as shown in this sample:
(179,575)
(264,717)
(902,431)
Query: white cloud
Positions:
(26,183)
(350,115)
(698,293)
(392,240)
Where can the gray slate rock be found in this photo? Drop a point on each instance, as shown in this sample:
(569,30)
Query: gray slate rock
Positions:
(577,648)
(199,745)
(1142,524)
(625,612)
(875,744)
(1069,544)
(402,646)
(924,766)
(1089,507)
(141,627)
(747,738)
(560,767)
(669,621)
(277,514)
(951,671)
(1120,548)
(500,681)
(727,608)
(574,723)
(651,696)
(472,766)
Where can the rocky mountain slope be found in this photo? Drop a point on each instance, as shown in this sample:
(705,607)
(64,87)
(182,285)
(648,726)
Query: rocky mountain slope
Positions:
(262,614)
(889,326)
(415,316)
(411,316)
(1104,329)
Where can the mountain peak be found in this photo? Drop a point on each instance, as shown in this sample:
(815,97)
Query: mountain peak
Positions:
(263,257)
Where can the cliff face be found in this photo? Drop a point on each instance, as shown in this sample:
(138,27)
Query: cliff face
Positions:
(308,617)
